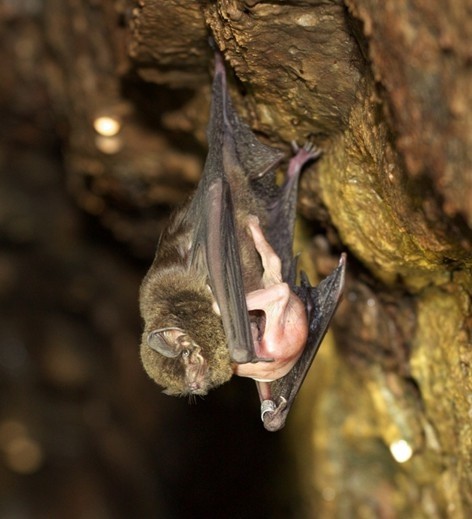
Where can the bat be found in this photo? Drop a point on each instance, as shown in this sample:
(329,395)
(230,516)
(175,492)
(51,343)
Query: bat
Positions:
(220,297)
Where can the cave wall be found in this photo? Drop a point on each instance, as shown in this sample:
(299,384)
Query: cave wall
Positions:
(384,89)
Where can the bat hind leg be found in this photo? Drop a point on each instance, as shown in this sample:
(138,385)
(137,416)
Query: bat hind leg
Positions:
(303,155)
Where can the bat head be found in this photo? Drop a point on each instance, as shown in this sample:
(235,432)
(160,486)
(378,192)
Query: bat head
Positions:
(183,346)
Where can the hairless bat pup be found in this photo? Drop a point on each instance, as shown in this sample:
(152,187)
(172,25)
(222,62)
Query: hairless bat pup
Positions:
(220,297)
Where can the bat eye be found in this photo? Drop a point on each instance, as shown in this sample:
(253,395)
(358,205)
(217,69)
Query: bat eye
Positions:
(166,341)
(185,353)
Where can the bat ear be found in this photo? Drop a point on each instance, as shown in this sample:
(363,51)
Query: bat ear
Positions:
(165,341)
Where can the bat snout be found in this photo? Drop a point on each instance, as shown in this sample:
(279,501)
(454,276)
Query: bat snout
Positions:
(196,372)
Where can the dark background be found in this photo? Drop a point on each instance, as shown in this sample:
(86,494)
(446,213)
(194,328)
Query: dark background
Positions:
(83,432)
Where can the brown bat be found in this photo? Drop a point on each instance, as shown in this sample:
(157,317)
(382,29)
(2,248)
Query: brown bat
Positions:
(220,297)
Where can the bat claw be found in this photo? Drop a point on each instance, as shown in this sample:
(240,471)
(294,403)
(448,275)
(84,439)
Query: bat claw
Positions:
(301,157)
(308,147)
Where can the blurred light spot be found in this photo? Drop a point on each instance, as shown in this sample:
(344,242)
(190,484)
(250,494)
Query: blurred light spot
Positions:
(401,451)
(13,8)
(21,453)
(328,493)
(107,126)
(9,430)
(108,145)
(352,296)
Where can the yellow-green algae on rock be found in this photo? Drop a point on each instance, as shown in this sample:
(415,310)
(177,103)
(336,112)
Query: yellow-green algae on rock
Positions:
(380,213)
(356,415)
(441,363)
(350,418)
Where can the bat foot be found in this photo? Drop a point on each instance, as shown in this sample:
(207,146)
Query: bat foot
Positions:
(302,156)
(271,413)
(308,148)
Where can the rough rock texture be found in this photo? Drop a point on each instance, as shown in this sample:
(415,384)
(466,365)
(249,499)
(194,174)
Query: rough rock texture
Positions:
(385,88)
(420,55)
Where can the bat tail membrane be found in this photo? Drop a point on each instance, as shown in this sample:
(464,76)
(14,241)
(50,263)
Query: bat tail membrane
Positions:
(321,302)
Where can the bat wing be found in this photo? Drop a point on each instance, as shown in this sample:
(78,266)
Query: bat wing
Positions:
(234,156)
(234,150)
(225,273)
(320,302)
